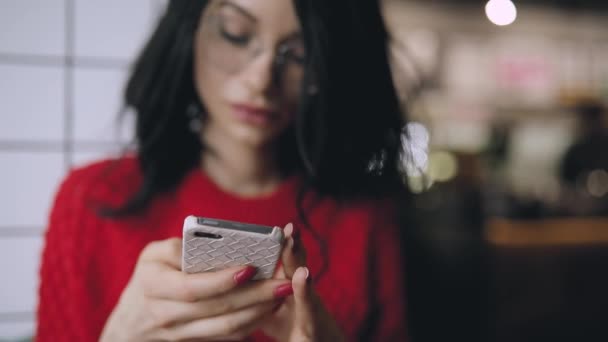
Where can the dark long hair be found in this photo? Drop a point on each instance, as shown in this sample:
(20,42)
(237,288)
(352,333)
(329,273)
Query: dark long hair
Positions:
(345,140)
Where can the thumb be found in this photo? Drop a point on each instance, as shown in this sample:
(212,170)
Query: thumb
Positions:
(293,255)
(304,301)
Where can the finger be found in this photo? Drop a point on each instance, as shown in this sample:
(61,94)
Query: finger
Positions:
(303,299)
(289,259)
(293,255)
(246,330)
(254,325)
(237,324)
(163,282)
(258,293)
(166,251)
(288,230)
(279,272)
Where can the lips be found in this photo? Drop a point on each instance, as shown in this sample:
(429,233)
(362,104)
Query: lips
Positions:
(258,116)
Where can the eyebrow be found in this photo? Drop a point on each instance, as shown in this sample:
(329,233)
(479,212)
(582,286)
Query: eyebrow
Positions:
(227,3)
(241,10)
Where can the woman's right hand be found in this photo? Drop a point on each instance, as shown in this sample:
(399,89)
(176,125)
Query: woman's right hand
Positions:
(161,303)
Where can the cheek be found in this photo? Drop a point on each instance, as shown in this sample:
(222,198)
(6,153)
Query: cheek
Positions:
(209,84)
(215,88)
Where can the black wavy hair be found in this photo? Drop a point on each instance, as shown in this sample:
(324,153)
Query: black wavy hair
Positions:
(346,138)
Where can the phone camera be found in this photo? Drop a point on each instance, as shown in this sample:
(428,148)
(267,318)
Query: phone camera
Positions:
(206,235)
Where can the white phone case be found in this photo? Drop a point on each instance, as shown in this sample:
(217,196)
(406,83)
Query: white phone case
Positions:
(211,245)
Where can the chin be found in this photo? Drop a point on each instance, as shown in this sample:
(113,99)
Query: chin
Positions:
(255,137)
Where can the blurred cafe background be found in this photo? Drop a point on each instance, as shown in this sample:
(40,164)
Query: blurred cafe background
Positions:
(508,142)
(509,139)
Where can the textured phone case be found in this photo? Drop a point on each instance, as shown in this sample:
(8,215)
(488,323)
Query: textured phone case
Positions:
(235,248)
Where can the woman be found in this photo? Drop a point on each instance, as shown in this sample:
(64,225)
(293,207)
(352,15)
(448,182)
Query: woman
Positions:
(254,111)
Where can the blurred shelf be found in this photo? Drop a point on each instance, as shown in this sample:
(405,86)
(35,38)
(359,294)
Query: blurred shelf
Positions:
(503,232)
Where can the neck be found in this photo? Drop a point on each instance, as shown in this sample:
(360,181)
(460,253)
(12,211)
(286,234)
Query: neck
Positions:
(240,168)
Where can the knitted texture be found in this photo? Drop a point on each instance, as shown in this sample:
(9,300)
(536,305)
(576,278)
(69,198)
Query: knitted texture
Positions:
(88,260)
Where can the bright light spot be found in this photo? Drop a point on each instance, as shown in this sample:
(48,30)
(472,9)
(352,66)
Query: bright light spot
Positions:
(501,12)
(597,183)
(419,135)
(415,146)
(443,166)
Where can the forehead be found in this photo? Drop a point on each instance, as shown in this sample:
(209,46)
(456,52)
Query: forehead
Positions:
(278,16)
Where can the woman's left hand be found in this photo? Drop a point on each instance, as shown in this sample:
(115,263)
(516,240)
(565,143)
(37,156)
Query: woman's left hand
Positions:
(302,317)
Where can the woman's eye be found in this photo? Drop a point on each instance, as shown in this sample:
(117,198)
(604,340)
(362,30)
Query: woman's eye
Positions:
(235,38)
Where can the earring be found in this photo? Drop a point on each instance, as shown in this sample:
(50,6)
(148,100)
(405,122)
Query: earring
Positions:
(194,114)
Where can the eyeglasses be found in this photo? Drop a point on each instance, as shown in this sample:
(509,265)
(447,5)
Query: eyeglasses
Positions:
(232,51)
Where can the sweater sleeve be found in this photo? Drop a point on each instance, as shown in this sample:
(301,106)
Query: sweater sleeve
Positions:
(389,283)
(65,302)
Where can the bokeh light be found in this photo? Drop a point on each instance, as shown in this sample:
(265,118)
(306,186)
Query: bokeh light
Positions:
(501,12)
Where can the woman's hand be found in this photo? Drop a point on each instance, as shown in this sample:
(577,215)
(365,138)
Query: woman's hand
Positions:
(302,317)
(161,303)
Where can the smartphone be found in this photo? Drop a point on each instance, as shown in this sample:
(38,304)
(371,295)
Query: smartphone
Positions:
(211,244)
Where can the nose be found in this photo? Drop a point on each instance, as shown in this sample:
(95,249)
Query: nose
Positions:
(259,75)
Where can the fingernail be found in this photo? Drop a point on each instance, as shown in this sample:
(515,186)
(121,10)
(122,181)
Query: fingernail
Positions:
(283,291)
(308,277)
(289,229)
(245,275)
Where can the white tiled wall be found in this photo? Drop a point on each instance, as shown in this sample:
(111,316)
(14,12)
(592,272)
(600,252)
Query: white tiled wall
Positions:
(28,181)
(84,158)
(19,289)
(16,330)
(97,102)
(32,27)
(111,28)
(55,115)
(32,102)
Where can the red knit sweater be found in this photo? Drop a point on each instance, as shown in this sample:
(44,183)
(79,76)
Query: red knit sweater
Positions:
(88,260)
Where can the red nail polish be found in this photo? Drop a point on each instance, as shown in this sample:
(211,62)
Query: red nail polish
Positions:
(245,275)
(283,291)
